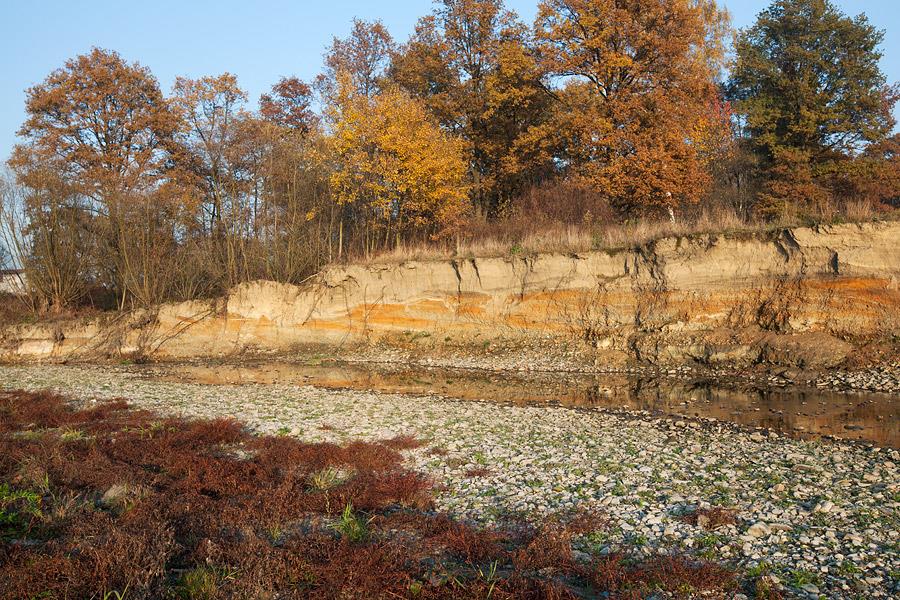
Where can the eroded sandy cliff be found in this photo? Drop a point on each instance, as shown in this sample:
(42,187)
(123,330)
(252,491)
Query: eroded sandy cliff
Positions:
(800,297)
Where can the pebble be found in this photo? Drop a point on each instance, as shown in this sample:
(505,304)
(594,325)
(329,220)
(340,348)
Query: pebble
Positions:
(759,530)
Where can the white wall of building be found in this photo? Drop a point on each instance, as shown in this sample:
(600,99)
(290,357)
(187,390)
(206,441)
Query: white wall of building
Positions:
(12,282)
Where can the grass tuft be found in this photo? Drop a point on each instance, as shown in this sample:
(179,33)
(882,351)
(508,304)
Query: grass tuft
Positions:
(328,478)
(352,526)
(19,511)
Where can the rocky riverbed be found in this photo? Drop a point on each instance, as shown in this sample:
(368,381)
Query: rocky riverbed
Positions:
(883,378)
(548,356)
(822,518)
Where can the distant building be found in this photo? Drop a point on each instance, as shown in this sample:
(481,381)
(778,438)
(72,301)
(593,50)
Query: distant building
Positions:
(12,281)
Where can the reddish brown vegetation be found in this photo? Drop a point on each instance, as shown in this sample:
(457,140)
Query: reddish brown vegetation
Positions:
(478,472)
(677,574)
(403,442)
(710,518)
(107,498)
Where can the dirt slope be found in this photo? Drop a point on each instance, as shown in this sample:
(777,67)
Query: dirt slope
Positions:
(804,298)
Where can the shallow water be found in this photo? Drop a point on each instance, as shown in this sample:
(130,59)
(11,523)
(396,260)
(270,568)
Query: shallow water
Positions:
(798,412)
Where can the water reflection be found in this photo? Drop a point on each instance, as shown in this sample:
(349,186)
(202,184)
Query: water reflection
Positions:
(797,412)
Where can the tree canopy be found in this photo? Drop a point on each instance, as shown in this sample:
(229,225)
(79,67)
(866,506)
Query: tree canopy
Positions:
(637,79)
(811,95)
(395,166)
(599,112)
(807,77)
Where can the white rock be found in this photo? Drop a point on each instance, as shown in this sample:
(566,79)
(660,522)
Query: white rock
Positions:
(759,530)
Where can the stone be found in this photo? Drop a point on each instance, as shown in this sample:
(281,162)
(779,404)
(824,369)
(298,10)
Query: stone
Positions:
(811,589)
(759,530)
(116,494)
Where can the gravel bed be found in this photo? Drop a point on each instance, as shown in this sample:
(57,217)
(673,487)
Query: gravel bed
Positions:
(884,378)
(823,517)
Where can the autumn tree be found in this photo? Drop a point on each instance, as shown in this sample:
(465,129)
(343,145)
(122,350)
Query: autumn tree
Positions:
(726,156)
(634,77)
(398,174)
(870,179)
(288,195)
(363,55)
(105,131)
(293,176)
(421,67)
(471,63)
(213,111)
(211,108)
(808,86)
(44,227)
(877,179)
(517,147)
(288,105)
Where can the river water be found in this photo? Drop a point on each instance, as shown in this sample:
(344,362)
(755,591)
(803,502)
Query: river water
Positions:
(797,412)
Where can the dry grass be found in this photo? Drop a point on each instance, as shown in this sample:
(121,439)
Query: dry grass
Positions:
(711,518)
(156,507)
(517,238)
(559,218)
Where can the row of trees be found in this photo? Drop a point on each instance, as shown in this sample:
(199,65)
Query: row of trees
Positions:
(117,187)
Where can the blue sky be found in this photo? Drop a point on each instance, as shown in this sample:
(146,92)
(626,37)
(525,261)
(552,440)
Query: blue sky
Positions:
(257,40)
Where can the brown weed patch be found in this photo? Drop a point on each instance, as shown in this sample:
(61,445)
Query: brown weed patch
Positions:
(478,472)
(711,518)
(109,499)
(403,442)
(677,576)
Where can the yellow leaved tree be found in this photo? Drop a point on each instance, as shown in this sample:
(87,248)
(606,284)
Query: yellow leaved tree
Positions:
(397,175)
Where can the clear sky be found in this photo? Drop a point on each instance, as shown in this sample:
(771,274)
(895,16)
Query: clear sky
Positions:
(257,40)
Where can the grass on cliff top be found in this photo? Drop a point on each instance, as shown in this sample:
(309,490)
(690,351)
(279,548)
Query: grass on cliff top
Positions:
(110,502)
(529,235)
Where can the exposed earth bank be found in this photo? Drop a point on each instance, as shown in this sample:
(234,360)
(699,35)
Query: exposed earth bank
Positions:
(790,302)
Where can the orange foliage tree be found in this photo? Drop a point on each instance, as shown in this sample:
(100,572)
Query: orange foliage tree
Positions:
(472,65)
(636,78)
(395,171)
(104,128)
(288,105)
